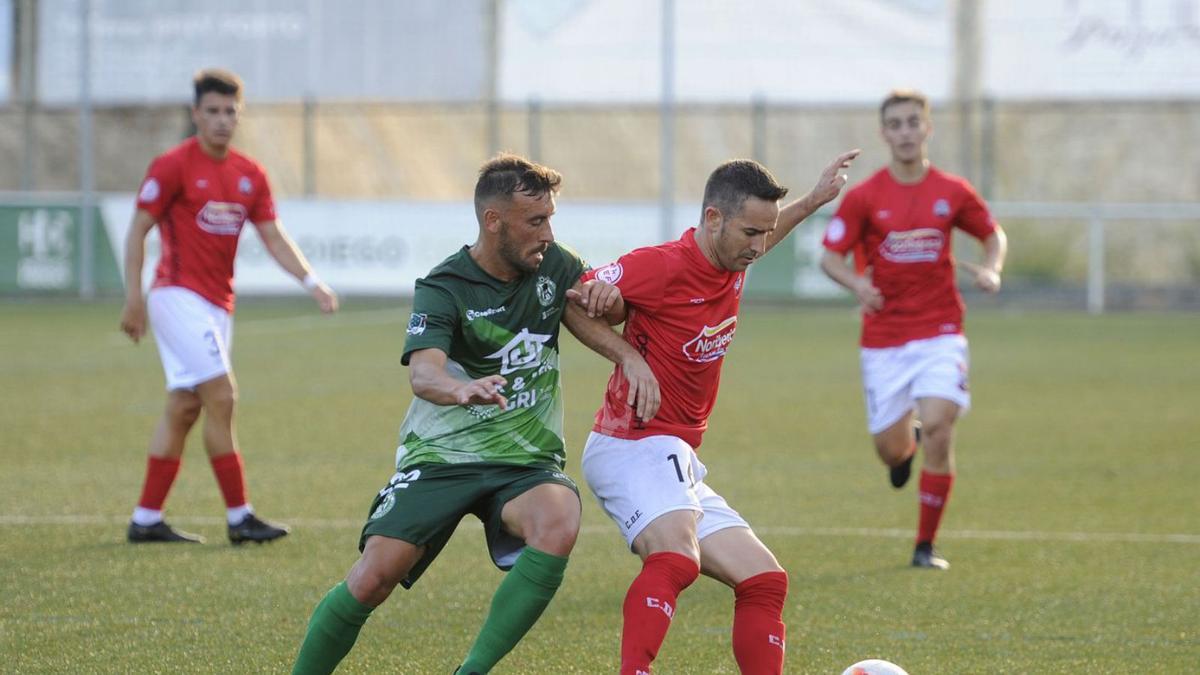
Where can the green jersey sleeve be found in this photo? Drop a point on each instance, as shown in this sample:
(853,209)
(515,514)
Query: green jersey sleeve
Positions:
(433,322)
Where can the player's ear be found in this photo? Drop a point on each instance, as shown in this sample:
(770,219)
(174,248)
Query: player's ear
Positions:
(712,218)
(491,220)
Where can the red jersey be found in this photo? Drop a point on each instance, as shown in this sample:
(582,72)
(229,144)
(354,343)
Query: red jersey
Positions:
(200,205)
(904,232)
(681,315)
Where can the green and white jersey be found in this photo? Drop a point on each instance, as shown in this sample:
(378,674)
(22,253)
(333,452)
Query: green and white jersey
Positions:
(490,327)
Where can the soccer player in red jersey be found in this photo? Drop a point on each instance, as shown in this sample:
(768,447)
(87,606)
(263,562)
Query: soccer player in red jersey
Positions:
(679,302)
(914,352)
(200,194)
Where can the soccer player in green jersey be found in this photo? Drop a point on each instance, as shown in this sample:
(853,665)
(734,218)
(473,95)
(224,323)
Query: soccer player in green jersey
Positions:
(484,432)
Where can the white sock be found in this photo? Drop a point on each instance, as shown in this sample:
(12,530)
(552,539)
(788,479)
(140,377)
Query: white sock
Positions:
(238,513)
(146,517)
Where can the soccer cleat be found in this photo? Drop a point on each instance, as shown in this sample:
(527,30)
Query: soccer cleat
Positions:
(160,532)
(924,556)
(899,474)
(253,529)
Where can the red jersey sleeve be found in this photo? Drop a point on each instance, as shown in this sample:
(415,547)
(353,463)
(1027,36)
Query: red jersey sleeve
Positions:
(845,230)
(973,216)
(642,275)
(264,206)
(161,185)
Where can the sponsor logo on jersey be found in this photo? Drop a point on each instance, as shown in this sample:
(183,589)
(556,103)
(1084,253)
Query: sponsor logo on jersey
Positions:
(835,230)
(150,190)
(473,314)
(941,208)
(223,218)
(201,183)
(610,273)
(883,214)
(522,352)
(416,323)
(545,290)
(913,246)
(712,342)
(244,185)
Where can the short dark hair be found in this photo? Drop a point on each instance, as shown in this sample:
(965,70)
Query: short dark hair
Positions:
(731,183)
(506,174)
(219,80)
(896,96)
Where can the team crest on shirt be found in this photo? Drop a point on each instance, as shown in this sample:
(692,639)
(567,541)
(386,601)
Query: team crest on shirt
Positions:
(712,342)
(223,218)
(610,273)
(244,185)
(149,191)
(941,208)
(913,246)
(416,323)
(545,290)
(836,230)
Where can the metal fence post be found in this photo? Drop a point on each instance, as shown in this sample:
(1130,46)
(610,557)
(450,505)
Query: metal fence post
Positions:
(1095,283)
(533,118)
(87,177)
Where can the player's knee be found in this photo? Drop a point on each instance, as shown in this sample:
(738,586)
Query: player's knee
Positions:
(555,533)
(184,410)
(768,590)
(937,434)
(371,582)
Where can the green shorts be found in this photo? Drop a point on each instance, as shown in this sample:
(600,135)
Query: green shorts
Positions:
(423,505)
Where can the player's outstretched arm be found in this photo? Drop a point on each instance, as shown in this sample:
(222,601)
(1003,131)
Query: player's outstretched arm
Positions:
(995,249)
(595,334)
(599,298)
(829,186)
(288,255)
(430,381)
(133,314)
(834,265)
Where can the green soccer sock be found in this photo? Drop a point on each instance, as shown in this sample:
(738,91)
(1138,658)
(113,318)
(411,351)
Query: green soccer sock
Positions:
(519,601)
(331,631)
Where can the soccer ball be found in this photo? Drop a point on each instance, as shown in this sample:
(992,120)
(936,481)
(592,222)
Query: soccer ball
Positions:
(874,667)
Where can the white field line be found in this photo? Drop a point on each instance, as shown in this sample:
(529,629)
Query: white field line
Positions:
(770,530)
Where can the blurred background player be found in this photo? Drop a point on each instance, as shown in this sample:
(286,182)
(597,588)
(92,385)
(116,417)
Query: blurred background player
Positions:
(679,302)
(484,432)
(200,194)
(914,352)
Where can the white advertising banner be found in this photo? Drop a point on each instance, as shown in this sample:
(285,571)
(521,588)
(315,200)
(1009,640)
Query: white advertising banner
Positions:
(381,248)
(1083,49)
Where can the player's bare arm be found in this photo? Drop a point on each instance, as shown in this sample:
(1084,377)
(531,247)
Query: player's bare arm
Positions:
(599,299)
(288,255)
(995,248)
(430,381)
(133,314)
(595,334)
(869,297)
(829,186)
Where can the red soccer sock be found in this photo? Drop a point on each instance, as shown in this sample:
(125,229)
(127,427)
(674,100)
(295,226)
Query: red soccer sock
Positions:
(231,477)
(758,630)
(934,493)
(650,606)
(160,475)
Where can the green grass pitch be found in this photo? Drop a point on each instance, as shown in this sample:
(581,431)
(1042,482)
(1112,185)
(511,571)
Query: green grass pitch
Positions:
(1074,528)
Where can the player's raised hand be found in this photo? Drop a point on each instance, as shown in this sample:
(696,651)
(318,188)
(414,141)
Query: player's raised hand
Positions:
(133,320)
(483,391)
(644,394)
(868,295)
(595,296)
(832,180)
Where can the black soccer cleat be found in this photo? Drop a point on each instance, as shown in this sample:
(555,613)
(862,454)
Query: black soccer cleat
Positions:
(160,532)
(926,557)
(900,473)
(253,529)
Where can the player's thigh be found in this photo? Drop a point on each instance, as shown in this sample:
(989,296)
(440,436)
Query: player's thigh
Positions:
(546,516)
(638,481)
(887,375)
(422,505)
(672,532)
(192,336)
(735,554)
(943,374)
(527,505)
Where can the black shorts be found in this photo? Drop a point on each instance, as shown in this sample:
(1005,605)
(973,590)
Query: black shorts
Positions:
(423,505)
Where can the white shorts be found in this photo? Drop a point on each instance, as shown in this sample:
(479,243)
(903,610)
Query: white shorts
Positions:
(636,481)
(194,336)
(895,377)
